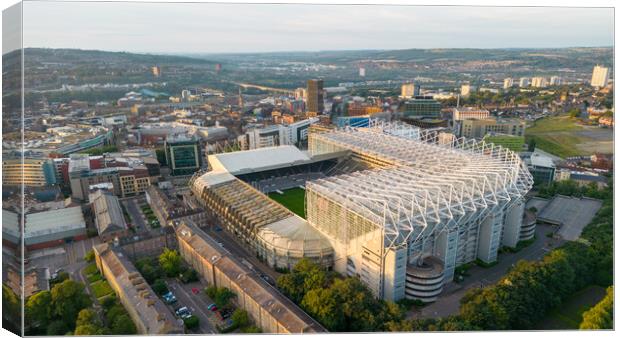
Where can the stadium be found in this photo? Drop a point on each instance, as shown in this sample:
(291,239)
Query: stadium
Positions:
(397,207)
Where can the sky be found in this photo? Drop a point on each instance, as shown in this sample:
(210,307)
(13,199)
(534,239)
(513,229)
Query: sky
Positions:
(183,28)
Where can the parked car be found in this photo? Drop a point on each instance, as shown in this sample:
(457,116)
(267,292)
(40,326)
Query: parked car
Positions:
(169,297)
(182,311)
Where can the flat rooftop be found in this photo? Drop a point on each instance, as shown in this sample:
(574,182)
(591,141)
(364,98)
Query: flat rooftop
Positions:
(570,213)
(243,162)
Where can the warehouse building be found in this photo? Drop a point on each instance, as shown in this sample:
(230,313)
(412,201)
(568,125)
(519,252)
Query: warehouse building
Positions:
(109,218)
(44,228)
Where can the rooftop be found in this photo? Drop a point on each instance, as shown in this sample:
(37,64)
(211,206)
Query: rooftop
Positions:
(284,310)
(152,312)
(242,162)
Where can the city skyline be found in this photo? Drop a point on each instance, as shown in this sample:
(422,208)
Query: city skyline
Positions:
(209,28)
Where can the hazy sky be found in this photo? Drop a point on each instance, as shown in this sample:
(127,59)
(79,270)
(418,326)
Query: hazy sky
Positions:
(217,28)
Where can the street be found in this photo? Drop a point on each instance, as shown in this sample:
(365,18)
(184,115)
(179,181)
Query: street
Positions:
(449,302)
(136,214)
(196,303)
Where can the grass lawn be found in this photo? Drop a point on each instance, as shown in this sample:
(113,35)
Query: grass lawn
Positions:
(94,277)
(562,136)
(90,269)
(292,199)
(101,288)
(567,316)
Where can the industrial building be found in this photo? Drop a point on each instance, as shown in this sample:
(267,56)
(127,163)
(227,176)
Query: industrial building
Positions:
(268,308)
(44,228)
(428,207)
(109,219)
(148,312)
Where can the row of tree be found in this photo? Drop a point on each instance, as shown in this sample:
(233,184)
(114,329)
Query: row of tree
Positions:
(339,304)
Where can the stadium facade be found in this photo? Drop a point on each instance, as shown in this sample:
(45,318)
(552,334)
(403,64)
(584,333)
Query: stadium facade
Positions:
(400,209)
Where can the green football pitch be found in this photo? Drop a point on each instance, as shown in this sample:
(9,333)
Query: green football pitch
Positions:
(292,199)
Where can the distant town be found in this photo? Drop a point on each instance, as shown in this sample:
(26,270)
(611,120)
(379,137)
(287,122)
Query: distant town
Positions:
(358,191)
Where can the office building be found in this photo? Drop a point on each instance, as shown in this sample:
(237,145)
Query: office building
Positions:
(539,82)
(31,172)
(466,113)
(422,107)
(409,90)
(479,128)
(600,76)
(555,81)
(314,97)
(524,82)
(508,82)
(541,167)
(182,155)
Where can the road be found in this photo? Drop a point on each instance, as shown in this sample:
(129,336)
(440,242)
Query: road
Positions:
(196,303)
(449,302)
(241,252)
(136,215)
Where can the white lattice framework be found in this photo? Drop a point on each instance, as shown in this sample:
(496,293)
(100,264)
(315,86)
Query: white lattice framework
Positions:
(432,181)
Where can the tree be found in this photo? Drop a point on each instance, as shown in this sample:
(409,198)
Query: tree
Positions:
(89,256)
(87,316)
(170,262)
(324,305)
(68,298)
(11,310)
(223,298)
(531,145)
(601,316)
(88,330)
(160,287)
(38,309)
(240,318)
(191,322)
(57,328)
(189,275)
(122,325)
